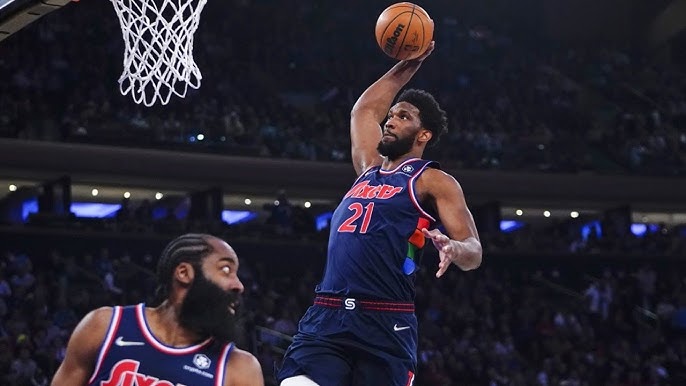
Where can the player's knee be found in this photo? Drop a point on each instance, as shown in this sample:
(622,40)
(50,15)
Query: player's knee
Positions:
(300,380)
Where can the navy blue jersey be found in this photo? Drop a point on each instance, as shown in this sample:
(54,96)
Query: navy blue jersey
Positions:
(131,356)
(375,240)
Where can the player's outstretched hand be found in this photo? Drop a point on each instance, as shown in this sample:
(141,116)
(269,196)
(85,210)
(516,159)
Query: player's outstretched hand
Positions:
(426,53)
(444,246)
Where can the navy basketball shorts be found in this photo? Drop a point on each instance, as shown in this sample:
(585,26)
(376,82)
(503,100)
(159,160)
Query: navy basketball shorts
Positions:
(346,341)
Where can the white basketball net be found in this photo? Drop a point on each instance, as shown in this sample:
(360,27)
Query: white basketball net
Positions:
(158,59)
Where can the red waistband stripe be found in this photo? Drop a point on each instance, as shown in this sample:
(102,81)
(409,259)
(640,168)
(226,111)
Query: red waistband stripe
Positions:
(365,305)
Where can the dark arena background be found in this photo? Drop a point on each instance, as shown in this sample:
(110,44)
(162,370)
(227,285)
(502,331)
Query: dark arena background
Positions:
(567,124)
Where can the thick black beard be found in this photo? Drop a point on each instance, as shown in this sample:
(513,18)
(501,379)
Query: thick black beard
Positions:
(205,310)
(395,149)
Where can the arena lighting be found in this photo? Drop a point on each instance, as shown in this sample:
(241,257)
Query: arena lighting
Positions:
(28,207)
(94,192)
(248,201)
(519,212)
(94,209)
(308,204)
(546,213)
(593,226)
(127,195)
(158,196)
(200,137)
(158,212)
(237,216)
(80,209)
(574,214)
(13,187)
(322,220)
(640,230)
(508,226)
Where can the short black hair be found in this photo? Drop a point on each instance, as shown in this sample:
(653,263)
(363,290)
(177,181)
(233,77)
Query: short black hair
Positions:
(189,248)
(432,116)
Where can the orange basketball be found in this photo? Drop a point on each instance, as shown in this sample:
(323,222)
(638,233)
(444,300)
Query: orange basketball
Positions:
(404,31)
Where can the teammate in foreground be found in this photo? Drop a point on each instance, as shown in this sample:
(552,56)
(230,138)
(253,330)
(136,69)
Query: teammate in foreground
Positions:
(186,340)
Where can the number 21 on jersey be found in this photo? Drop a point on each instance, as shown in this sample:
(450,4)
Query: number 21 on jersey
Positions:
(358,210)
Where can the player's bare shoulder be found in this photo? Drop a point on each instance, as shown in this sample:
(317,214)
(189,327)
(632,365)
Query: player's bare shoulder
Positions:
(101,313)
(243,369)
(434,182)
(97,322)
(83,347)
(93,328)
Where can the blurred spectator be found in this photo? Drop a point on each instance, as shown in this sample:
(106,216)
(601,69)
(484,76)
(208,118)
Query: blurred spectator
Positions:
(281,217)
(679,315)
(23,368)
(5,290)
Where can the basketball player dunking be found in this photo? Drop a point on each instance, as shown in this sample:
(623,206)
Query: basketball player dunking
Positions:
(362,329)
(186,340)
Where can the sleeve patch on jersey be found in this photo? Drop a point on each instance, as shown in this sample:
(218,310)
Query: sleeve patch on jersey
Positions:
(415,243)
(409,266)
(417,239)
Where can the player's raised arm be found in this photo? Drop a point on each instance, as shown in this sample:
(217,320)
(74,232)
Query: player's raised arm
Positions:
(371,109)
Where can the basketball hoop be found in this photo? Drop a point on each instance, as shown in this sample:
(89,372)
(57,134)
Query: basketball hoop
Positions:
(158,56)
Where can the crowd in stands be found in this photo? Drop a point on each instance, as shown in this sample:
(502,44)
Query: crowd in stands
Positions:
(665,241)
(518,320)
(645,104)
(284,91)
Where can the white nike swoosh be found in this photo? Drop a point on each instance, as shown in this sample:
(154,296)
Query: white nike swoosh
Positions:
(396,328)
(121,342)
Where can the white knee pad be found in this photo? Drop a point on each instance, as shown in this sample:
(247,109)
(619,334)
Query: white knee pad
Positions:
(300,380)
